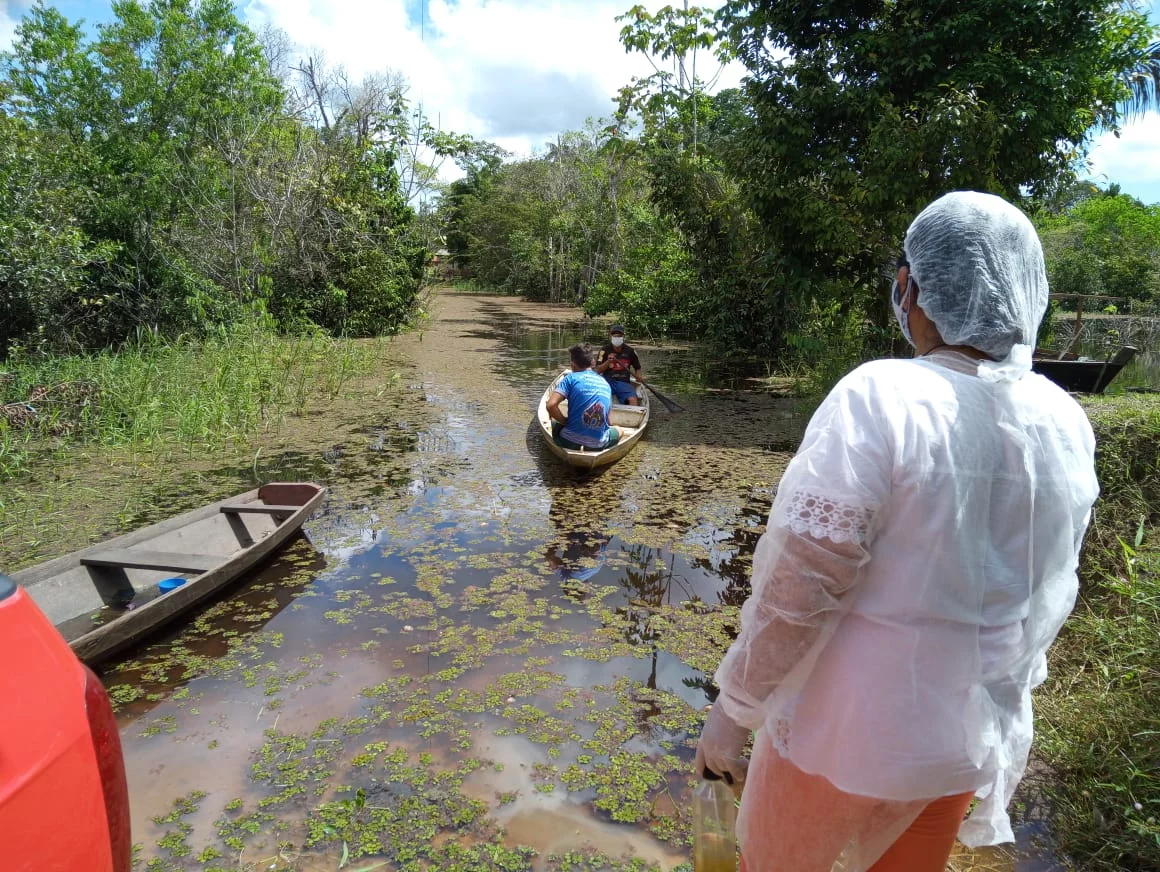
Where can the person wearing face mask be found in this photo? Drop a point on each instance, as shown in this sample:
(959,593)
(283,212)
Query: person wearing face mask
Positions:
(919,560)
(617,360)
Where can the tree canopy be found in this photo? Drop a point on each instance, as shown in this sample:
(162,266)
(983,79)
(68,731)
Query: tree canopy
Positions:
(863,112)
(774,211)
(1105,244)
(179,170)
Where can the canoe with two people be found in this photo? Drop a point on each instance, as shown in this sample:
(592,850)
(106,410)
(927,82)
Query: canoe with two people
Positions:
(585,424)
(579,420)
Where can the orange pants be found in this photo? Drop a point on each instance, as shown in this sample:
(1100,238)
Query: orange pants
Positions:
(926,845)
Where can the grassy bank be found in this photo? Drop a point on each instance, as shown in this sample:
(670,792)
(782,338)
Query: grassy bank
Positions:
(1098,715)
(92,446)
(191,393)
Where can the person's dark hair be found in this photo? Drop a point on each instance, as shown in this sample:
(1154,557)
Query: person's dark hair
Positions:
(581,356)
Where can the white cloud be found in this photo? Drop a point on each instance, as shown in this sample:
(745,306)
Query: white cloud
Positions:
(9,18)
(1131,160)
(515,72)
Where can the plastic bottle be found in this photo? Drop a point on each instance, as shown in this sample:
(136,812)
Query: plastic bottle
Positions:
(714,826)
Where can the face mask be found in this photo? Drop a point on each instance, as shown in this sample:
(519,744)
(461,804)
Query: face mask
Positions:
(617,341)
(902,315)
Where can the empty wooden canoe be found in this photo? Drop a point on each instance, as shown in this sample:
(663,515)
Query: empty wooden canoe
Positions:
(1082,376)
(107,597)
(630,420)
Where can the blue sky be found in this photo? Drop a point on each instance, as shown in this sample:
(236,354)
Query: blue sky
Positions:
(520,71)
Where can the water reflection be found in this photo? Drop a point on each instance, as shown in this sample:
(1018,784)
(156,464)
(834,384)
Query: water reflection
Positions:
(731,558)
(578,553)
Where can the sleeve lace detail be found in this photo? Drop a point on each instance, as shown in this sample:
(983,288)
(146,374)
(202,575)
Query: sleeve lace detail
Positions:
(780,735)
(814,514)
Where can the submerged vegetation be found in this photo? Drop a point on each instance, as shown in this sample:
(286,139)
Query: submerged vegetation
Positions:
(410,776)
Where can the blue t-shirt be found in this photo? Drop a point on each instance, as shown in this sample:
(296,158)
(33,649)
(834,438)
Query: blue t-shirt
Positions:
(589,401)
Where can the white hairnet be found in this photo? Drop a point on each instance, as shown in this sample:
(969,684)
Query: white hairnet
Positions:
(979,267)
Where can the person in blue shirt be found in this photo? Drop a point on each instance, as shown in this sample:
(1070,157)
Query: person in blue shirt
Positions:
(585,424)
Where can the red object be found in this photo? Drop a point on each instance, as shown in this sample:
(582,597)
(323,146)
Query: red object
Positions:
(64,805)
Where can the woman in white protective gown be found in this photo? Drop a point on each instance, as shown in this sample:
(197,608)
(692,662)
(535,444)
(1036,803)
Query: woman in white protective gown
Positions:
(920,558)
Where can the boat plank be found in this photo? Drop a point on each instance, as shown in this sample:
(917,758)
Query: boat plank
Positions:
(132,627)
(133,558)
(258,509)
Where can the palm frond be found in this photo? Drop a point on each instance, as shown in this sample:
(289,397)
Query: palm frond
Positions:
(1144,81)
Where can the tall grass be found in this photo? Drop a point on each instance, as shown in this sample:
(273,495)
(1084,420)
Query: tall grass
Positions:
(201,392)
(468,284)
(1098,716)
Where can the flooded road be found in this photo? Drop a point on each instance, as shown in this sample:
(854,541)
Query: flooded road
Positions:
(474,657)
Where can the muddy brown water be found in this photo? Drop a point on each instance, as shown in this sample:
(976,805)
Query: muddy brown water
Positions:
(473,658)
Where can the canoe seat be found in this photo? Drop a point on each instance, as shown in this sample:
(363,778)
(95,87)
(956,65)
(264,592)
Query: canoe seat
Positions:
(258,509)
(626,416)
(131,558)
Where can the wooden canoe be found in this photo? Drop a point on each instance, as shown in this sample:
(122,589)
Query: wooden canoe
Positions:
(117,581)
(630,420)
(1082,376)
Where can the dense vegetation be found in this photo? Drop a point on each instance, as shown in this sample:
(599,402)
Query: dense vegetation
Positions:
(178,171)
(1104,243)
(158,394)
(1096,716)
(764,219)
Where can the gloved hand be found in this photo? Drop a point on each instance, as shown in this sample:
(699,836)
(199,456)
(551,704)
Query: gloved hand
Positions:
(720,747)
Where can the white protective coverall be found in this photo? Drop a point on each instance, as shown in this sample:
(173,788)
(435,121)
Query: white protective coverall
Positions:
(919,560)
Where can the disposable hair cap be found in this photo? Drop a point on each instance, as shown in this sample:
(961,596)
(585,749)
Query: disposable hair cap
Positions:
(979,267)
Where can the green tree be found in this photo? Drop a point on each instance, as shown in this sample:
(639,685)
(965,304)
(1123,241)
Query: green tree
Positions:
(464,194)
(47,254)
(652,288)
(548,227)
(1107,245)
(685,141)
(136,111)
(196,177)
(677,36)
(863,113)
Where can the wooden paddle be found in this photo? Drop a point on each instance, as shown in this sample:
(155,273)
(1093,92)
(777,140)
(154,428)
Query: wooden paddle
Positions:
(668,404)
